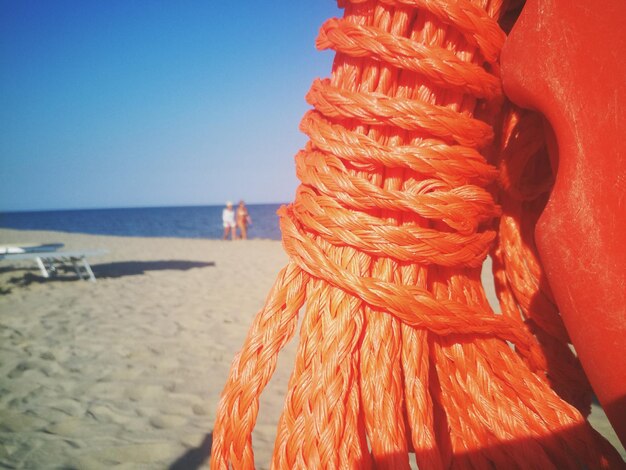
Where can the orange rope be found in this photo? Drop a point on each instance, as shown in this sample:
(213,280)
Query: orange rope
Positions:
(526,180)
(399,350)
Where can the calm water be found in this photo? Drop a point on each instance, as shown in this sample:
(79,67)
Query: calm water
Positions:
(182,222)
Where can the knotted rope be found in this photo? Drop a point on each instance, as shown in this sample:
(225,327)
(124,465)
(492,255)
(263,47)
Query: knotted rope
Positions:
(399,350)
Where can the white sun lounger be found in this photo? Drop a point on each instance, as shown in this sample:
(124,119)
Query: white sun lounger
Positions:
(46,259)
(29,248)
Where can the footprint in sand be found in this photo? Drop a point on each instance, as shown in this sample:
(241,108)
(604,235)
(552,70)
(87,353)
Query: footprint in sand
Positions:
(47,356)
(46,368)
(201,410)
(138,453)
(68,406)
(167,421)
(145,393)
(11,421)
(20,368)
(72,427)
(109,413)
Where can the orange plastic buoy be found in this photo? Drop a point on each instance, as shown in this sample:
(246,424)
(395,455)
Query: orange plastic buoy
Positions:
(565,60)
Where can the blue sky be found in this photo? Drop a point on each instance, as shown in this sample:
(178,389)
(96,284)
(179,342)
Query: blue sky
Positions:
(141,103)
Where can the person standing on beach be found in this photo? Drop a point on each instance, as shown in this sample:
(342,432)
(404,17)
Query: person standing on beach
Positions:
(228,220)
(243,220)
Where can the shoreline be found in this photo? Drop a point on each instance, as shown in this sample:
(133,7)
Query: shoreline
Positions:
(128,371)
(195,222)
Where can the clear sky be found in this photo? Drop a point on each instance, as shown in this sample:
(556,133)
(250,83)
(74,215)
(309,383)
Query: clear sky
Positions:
(124,103)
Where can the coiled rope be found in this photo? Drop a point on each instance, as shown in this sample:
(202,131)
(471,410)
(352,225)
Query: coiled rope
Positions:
(399,350)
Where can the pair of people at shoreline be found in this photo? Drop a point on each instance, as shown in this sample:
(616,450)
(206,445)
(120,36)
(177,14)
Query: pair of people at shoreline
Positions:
(234,220)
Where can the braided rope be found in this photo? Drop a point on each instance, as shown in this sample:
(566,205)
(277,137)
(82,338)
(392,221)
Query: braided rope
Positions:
(399,350)
(526,179)
(442,67)
(453,164)
(463,16)
(254,366)
(375,109)
(462,208)
(377,238)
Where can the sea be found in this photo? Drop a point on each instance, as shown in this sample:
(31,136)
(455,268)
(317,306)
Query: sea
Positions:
(179,222)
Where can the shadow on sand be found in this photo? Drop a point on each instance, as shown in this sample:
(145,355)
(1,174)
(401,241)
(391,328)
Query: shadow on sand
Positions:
(134,268)
(196,457)
(103,271)
(541,451)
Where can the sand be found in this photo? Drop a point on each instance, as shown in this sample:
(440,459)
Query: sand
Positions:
(127,372)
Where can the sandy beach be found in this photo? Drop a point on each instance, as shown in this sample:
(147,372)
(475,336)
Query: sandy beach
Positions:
(127,372)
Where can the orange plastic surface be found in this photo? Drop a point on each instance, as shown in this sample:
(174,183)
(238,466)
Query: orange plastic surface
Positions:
(565,58)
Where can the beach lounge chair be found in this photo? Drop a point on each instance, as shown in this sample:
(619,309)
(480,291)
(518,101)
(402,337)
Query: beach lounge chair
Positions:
(30,248)
(47,256)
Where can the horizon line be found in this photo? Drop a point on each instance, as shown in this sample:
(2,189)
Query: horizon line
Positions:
(9,211)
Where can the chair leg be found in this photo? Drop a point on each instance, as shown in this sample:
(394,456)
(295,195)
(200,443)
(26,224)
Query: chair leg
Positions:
(92,278)
(77,268)
(42,267)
